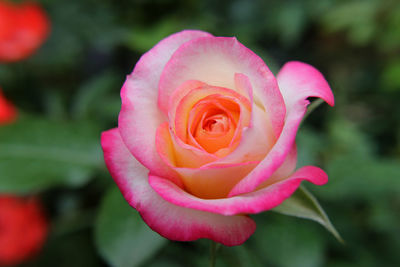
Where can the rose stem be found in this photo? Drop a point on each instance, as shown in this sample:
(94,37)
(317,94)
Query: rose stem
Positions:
(213,253)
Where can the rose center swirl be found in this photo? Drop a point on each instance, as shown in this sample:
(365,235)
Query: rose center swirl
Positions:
(213,122)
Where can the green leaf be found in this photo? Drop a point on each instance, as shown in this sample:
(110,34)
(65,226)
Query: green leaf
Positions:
(303,204)
(36,154)
(122,238)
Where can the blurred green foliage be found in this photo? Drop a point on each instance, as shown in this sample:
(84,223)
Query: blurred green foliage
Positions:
(69,91)
(117,226)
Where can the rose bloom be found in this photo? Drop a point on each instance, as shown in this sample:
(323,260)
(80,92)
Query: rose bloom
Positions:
(206,136)
(8,113)
(23,229)
(23,29)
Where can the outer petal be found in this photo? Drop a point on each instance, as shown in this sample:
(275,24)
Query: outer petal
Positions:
(285,170)
(169,220)
(254,202)
(140,116)
(297,82)
(215,60)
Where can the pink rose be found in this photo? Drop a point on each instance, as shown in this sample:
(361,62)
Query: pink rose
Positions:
(206,136)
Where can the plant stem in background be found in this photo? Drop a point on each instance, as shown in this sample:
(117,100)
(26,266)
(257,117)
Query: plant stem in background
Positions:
(213,253)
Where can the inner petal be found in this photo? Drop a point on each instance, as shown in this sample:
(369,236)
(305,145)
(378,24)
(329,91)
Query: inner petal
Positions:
(213,122)
(214,133)
(216,124)
(192,101)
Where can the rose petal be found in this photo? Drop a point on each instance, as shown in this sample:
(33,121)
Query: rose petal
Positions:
(176,154)
(253,146)
(190,154)
(213,123)
(140,116)
(254,202)
(215,60)
(216,181)
(205,182)
(257,139)
(180,93)
(169,220)
(297,81)
(195,95)
(284,171)
(209,177)
(243,86)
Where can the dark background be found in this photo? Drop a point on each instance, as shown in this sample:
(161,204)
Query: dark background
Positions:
(68,92)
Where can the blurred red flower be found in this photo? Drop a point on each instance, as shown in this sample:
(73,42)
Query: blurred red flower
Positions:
(8,113)
(23,28)
(23,229)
